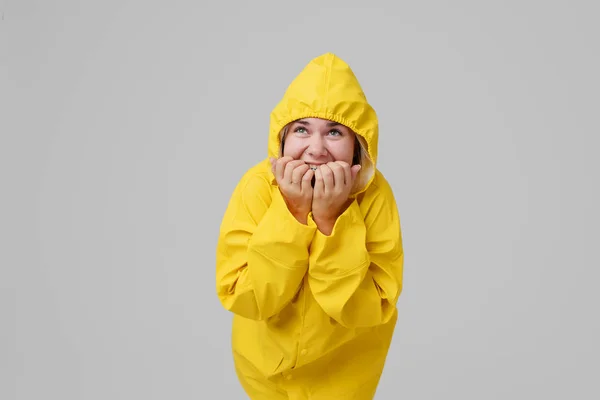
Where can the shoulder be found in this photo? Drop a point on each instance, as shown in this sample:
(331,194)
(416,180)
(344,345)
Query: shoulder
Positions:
(378,207)
(255,183)
(251,196)
(379,188)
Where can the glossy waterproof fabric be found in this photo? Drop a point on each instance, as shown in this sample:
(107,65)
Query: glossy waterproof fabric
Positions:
(314,315)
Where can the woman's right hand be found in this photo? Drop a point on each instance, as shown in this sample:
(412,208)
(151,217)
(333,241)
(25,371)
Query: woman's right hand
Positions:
(294,181)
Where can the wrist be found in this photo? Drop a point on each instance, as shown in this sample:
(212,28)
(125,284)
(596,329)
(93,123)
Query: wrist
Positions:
(301,217)
(297,212)
(324,224)
(324,218)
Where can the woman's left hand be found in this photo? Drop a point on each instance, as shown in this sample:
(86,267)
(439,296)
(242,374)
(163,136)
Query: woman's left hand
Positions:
(333,183)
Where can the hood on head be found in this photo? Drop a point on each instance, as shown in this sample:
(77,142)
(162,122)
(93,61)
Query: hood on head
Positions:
(327,88)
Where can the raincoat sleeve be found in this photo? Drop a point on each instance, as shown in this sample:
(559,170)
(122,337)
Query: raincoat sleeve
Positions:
(355,274)
(262,251)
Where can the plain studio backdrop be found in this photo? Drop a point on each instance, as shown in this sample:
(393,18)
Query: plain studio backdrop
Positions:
(125,126)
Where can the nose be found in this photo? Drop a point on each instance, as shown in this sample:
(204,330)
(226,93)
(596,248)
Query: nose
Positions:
(316,146)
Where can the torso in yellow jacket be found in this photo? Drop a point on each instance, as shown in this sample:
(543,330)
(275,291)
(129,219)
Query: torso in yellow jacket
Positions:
(314,314)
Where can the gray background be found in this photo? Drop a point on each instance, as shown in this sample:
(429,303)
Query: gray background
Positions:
(125,126)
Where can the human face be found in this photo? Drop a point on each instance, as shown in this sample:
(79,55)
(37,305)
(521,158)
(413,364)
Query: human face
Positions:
(318,141)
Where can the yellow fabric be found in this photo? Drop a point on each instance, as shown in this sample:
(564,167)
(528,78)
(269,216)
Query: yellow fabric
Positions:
(313,315)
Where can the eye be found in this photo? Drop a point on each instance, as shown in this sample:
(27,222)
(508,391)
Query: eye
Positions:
(335,132)
(300,129)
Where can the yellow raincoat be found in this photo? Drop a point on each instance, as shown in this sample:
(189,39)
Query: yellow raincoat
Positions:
(314,315)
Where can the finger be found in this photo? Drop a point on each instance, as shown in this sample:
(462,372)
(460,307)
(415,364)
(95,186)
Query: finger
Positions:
(339,177)
(306,178)
(347,172)
(272,160)
(354,171)
(280,167)
(328,181)
(289,169)
(319,188)
(299,172)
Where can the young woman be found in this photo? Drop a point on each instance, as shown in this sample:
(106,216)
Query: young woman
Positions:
(310,258)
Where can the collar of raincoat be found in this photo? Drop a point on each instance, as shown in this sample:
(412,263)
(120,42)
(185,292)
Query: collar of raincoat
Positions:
(327,88)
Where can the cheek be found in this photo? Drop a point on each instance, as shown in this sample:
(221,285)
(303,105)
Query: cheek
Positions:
(343,151)
(292,148)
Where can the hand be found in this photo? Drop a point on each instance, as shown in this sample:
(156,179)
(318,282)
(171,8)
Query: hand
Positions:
(333,184)
(293,178)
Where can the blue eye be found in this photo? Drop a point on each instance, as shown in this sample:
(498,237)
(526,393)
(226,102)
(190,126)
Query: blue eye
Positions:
(335,132)
(300,130)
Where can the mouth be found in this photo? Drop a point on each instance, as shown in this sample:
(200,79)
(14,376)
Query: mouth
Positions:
(314,166)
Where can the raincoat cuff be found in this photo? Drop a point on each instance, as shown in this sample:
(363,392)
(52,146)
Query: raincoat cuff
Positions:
(347,239)
(283,226)
(350,218)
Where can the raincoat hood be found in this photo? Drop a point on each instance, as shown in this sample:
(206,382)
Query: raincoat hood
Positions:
(327,88)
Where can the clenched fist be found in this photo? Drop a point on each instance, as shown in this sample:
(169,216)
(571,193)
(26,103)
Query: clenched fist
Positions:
(333,184)
(294,181)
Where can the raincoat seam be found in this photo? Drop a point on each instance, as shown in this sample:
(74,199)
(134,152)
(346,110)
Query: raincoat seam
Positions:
(327,82)
(350,272)
(275,261)
(366,264)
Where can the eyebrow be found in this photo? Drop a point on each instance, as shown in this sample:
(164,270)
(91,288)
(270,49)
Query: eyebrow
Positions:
(306,123)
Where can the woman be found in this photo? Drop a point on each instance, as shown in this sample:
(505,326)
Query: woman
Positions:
(310,256)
